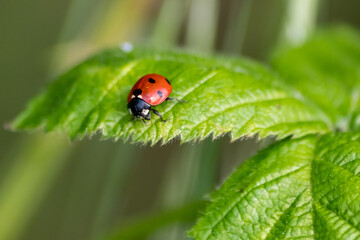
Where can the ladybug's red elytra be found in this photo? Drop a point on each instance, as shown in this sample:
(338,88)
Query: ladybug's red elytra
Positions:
(151,89)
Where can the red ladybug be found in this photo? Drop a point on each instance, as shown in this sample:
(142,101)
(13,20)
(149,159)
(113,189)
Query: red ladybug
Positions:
(151,89)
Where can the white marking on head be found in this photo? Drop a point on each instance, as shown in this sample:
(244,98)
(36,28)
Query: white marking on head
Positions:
(145,111)
(132,96)
(139,96)
(129,109)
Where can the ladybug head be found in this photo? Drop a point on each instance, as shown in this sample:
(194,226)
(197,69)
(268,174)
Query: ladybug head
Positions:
(139,108)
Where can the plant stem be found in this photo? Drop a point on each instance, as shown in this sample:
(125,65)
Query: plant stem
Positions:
(143,227)
(118,173)
(37,165)
(165,32)
(300,21)
(202,25)
(237,25)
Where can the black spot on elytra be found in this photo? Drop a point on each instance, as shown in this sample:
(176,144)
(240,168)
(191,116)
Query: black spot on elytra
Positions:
(160,93)
(137,92)
(167,81)
(152,80)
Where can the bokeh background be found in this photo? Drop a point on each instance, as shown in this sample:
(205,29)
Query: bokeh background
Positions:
(51,188)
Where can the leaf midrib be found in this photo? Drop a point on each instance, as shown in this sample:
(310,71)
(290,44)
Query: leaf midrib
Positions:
(244,194)
(286,211)
(201,82)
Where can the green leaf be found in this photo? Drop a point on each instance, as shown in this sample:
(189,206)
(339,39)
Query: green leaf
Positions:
(305,188)
(326,70)
(142,227)
(222,95)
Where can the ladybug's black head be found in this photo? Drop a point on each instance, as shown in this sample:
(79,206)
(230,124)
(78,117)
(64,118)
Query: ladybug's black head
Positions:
(139,108)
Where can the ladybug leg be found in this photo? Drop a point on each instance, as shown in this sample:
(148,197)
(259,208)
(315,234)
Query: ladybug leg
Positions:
(170,99)
(157,113)
(144,121)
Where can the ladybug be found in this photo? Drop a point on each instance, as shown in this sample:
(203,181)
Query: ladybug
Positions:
(151,89)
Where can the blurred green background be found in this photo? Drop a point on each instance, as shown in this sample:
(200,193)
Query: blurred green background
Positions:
(51,188)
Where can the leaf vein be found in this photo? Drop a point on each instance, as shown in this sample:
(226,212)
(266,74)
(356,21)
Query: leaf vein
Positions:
(238,199)
(202,81)
(125,69)
(292,205)
(229,108)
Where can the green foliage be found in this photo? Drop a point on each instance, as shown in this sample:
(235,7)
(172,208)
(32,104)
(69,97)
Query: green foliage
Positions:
(141,228)
(223,95)
(306,188)
(326,70)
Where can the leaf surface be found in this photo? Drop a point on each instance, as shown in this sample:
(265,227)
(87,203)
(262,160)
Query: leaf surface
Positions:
(306,188)
(222,95)
(326,70)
